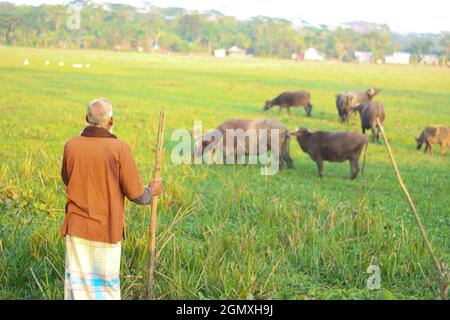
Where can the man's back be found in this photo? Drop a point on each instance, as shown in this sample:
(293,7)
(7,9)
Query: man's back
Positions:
(99,170)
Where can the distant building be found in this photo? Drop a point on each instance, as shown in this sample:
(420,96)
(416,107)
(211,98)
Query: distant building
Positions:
(235,52)
(296,56)
(220,53)
(363,56)
(429,59)
(313,55)
(398,58)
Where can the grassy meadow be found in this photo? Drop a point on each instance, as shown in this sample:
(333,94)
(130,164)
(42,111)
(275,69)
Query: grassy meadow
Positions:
(226,232)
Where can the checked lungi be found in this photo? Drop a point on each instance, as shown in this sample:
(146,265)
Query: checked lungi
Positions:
(92,270)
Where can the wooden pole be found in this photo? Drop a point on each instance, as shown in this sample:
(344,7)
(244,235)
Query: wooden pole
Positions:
(439,268)
(154,209)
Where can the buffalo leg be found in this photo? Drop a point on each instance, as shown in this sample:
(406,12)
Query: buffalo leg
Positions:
(288,160)
(442,148)
(319,163)
(373,128)
(226,158)
(289,110)
(378,130)
(285,153)
(354,167)
(308,110)
(280,162)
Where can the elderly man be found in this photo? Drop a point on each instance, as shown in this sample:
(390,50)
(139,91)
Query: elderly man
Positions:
(99,172)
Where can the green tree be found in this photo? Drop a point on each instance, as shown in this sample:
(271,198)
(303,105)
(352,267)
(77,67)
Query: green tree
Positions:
(445,43)
(344,43)
(112,25)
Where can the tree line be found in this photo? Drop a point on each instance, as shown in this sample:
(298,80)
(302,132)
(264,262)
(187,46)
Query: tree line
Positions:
(124,27)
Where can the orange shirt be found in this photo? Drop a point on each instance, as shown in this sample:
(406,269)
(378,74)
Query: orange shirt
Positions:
(99,171)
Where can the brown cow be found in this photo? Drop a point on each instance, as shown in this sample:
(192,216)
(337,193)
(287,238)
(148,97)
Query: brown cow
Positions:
(291,99)
(434,134)
(369,113)
(348,102)
(332,146)
(208,143)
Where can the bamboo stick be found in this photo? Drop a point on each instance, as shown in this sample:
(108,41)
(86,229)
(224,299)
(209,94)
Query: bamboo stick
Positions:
(154,210)
(439,267)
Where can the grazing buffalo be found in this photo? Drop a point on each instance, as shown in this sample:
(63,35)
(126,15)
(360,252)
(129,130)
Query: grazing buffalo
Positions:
(342,102)
(369,113)
(332,146)
(291,99)
(434,134)
(348,102)
(243,143)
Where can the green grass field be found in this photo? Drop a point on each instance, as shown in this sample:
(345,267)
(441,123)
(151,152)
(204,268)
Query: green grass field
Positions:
(226,232)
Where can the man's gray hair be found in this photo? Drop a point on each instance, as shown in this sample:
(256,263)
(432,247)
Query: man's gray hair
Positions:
(99,112)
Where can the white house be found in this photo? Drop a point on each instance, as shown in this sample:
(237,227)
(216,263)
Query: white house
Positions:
(236,52)
(398,58)
(220,53)
(362,56)
(313,55)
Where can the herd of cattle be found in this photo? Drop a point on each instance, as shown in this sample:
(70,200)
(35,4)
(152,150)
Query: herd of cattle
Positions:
(320,145)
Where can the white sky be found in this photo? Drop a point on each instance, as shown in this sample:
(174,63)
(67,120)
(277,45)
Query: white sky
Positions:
(400,15)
